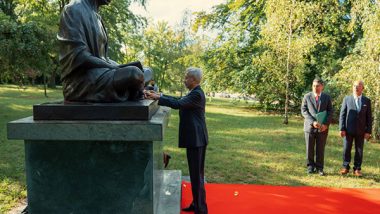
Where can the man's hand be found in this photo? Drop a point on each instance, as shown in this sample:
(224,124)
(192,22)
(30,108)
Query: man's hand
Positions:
(151,95)
(147,94)
(316,125)
(367,136)
(343,133)
(323,128)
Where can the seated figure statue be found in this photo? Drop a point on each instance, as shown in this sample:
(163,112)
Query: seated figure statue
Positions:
(88,75)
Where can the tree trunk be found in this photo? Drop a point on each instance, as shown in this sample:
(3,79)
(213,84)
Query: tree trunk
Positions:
(286,119)
(181,84)
(376,110)
(375,127)
(45,86)
(52,83)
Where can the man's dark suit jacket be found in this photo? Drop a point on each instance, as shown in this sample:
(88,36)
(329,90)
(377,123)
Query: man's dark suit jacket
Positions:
(353,122)
(309,109)
(192,123)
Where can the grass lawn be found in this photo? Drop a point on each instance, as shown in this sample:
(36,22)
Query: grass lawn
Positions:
(246,146)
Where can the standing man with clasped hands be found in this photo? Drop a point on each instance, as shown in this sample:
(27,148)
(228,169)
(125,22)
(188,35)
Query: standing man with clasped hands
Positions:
(315,132)
(192,133)
(355,123)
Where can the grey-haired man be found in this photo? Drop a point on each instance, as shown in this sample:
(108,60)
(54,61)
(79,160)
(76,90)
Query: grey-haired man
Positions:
(192,133)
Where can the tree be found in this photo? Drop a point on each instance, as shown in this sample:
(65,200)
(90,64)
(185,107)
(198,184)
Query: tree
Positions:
(229,56)
(287,39)
(122,26)
(161,50)
(168,51)
(8,8)
(364,60)
(44,16)
(274,49)
(19,45)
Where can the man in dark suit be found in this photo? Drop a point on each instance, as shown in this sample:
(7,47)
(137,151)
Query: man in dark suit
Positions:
(192,133)
(316,132)
(355,123)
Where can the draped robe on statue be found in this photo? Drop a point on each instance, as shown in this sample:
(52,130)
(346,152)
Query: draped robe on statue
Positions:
(83,38)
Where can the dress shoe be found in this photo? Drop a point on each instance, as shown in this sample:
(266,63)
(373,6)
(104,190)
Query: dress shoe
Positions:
(311,170)
(166,159)
(344,171)
(358,173)
(190,208)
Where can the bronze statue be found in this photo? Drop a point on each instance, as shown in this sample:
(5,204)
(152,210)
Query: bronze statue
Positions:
(88,75)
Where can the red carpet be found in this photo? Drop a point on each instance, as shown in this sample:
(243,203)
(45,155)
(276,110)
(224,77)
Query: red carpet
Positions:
(247,199)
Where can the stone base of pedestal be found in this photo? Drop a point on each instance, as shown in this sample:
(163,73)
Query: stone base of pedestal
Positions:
(93,176)
(93,166)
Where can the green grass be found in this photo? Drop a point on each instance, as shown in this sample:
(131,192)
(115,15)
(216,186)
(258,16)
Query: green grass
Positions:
(16,103)
(246,146)
(249,147)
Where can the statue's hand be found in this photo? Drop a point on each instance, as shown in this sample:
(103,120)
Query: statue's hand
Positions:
(113,63)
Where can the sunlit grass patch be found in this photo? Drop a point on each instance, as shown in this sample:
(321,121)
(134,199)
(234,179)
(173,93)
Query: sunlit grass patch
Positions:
(19,107)
(10,194)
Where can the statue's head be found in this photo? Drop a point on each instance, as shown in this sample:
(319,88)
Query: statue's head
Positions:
(104,2)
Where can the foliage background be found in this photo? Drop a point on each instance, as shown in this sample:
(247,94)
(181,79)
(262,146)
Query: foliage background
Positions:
(267,49)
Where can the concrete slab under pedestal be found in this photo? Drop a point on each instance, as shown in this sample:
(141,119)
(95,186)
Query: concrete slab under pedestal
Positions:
(170,193)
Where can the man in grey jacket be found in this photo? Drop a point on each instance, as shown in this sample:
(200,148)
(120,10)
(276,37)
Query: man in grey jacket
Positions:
(316,131)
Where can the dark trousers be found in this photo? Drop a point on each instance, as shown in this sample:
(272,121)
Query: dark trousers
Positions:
(347,145)
(196,160)
(315,144)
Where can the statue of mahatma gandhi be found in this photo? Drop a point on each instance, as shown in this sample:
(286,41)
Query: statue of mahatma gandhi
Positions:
(88,75)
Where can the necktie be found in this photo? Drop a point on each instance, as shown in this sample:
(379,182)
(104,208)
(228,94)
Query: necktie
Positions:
(316,99)
(358,104)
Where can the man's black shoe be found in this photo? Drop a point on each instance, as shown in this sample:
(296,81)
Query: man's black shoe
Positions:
(190,208)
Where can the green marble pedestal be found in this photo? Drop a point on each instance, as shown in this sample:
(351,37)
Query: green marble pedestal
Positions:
(92,166)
